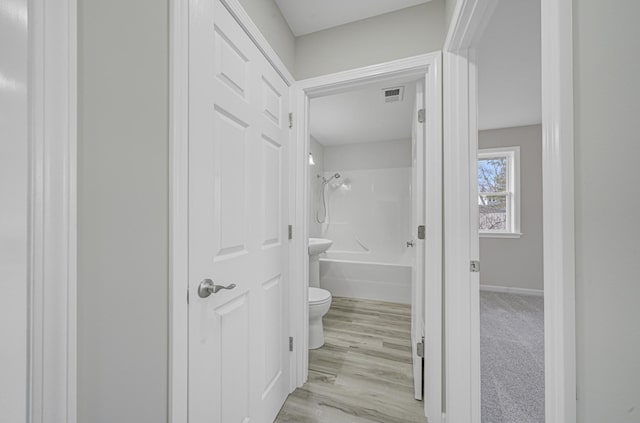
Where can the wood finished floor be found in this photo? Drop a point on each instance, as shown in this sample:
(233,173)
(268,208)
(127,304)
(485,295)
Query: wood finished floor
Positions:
(363,372)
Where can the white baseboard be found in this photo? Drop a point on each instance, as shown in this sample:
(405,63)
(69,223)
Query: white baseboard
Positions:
(511,290)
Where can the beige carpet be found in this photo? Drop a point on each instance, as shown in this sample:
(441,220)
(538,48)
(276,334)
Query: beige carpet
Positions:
(512,358)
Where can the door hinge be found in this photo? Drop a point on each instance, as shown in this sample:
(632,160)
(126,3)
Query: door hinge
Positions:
(421,115)
(187,295)
(420,348)
(475,266)
(290,231)
(290,120)
(421,232)
(291,343)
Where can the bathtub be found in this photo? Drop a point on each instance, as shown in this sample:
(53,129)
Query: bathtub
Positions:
(359,276)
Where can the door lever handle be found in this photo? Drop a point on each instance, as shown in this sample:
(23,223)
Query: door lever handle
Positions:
(411,243)
(207,287)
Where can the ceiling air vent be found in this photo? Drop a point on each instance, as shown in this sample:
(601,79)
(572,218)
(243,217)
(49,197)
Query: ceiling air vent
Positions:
(391,95)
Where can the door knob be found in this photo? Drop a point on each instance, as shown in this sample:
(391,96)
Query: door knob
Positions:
(207,287)
(411,243)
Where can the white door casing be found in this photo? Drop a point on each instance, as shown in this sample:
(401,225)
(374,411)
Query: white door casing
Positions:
(417,219)
(426,66)
(462,328)
(38,217)
(238,152)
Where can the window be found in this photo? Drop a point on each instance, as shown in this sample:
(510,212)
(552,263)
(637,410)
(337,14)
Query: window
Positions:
(499,192)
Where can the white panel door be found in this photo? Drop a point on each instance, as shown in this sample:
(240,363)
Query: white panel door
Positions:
(418,218)
(238,146)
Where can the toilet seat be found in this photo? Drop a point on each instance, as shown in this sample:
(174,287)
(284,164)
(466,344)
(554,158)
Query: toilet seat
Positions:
(318,295)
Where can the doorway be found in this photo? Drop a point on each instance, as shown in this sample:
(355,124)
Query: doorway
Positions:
(336,205)
(366,163)
(510,221)
(462,301)
(295,365)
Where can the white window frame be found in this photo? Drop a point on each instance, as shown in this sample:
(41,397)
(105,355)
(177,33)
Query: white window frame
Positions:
(512,154)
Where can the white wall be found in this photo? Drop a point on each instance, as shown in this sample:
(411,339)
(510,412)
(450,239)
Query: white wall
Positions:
(315,188)
(395,35)
(123,211)
(370,205)
(14,187)
(517,263)
(607,150)
(269,20)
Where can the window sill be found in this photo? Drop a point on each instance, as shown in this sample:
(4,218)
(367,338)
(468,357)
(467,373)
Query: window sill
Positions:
(512,235)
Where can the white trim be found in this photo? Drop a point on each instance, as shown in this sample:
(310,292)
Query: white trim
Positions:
(299,257)
(429,66)
(460,380)
(341,81)
(470,19)
(558,212)
(474,247)
(512,290)
(433,243)
(462,353)
(178,210)
(178,203)
(53,222)
(238,12)
(505,235)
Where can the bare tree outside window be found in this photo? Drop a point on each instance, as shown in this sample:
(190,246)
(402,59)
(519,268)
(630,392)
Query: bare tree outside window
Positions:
(492,193)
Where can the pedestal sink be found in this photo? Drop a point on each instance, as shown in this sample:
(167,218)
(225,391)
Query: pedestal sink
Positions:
(317,246)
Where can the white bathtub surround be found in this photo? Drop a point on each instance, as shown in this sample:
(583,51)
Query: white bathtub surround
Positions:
(369,207)
(367,280)
(368,220)
(369,214)
(315,185)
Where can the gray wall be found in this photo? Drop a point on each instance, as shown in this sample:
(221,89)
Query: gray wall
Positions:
(122,211)
(15,233)
(517,263)
(122,311)
(607,103)
(450,6)
(268,18)
(403,33)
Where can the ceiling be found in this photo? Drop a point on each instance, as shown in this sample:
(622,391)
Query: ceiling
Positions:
(362,116)
(307,16)
(509,70)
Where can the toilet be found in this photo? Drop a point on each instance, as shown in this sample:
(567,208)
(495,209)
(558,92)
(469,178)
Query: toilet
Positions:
(319,303)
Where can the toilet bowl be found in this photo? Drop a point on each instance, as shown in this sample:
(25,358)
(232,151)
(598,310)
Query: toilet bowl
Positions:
(319,303)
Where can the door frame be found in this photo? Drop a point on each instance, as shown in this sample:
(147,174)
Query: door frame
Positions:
(426,65)
(179,187)
(52,220)
(462,347)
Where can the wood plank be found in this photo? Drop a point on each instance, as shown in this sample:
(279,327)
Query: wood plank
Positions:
(363,372)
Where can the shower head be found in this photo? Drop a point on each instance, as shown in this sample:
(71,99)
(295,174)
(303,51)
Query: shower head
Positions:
(334,176)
